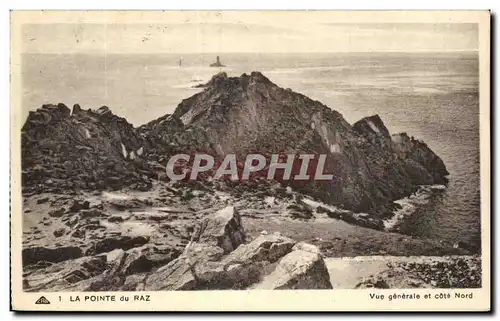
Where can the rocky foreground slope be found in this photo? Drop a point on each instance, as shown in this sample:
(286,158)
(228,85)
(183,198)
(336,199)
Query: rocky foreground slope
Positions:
(159,240)
(114,242)
(217,257)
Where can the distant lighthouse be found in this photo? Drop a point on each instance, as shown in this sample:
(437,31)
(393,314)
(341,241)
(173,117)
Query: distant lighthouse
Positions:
(217,63)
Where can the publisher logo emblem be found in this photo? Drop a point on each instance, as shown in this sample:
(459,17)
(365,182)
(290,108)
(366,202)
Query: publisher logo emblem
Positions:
(42,300)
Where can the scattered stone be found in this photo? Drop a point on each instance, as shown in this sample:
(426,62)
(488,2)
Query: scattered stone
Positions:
(158,255)
(57,213)
(115,219)
(73,220)
(302,246)
(42,200)
(36,254)
(120,242)
(124,204)
(92,213)
(78,234)
(114,255)
(300,211)
(114,260)
(79,205)
(59,232)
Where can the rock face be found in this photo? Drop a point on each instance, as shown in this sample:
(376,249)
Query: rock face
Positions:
(299,269)
(67,151)
(80,149)
(264,248)
(203,266)
(246,114)
(160,137)
(222,229)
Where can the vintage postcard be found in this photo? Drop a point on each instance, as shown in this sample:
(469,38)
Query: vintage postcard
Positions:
(250,161)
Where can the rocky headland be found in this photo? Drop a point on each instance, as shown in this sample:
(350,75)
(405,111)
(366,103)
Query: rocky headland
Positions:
(99,212)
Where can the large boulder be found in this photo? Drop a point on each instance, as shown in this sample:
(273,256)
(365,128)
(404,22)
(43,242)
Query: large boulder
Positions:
(303,268)
(180,273)
(145,258)
(66,275)
(222,229)
(199,266)
(158,255)
(206,264)
(268,248)
(177,275)
(136,262)
(244,266)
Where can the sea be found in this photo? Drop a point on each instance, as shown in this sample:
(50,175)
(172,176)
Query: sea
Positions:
(431,96)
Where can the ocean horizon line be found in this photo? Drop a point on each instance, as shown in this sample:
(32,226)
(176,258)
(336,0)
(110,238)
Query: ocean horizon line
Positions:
(474,51)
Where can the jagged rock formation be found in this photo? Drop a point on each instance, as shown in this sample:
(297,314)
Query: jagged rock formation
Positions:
(204,266)
(65,150)
(250,113)
(98,150)
(160,136)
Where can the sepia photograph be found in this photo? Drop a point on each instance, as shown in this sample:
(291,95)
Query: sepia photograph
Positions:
(242,151)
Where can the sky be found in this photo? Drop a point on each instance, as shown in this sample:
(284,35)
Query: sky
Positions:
(265,32)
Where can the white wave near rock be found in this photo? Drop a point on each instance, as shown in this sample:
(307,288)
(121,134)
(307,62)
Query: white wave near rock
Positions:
(411,203)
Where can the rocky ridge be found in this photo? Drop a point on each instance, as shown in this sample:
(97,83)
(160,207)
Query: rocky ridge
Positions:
(66,151)
(249,113)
